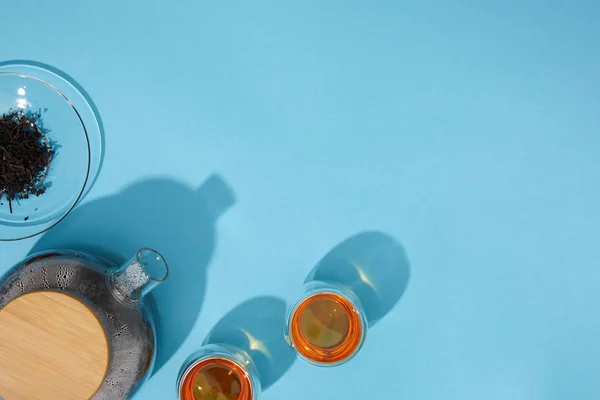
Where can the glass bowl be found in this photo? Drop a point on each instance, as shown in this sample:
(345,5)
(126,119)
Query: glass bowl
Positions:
(69,171)
(229,364)
(327,326)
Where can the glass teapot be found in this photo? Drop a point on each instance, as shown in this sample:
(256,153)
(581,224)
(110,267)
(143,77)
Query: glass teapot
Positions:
(117,295)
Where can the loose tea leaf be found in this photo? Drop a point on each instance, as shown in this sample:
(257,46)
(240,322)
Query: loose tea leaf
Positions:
(25,156)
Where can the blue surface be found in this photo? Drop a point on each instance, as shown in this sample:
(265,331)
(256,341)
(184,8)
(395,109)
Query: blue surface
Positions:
(470,134)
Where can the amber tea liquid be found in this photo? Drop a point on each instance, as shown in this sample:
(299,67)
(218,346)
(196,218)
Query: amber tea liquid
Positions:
(326,328)
(216,378)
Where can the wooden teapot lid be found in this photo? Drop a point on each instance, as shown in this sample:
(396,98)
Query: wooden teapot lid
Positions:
(52,347)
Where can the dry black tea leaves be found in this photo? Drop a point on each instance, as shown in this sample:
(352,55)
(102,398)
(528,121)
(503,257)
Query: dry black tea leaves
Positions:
(25,156)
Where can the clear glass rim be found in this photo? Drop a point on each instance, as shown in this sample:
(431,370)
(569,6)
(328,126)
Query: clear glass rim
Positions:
(328,288)
(162,260)
(87,140)
(214,351)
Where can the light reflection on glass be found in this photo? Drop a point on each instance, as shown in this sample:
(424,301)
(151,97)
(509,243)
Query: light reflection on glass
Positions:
(22,103)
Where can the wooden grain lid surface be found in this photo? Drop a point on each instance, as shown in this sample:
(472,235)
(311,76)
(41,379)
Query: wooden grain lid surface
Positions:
(52,347)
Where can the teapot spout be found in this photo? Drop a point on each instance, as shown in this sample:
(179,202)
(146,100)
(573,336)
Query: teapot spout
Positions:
(138,276)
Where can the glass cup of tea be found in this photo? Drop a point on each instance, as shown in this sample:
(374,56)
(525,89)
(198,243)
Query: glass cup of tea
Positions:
(327,326)
(218,372)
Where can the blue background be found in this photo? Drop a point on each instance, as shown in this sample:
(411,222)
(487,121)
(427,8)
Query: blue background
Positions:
(469,133)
